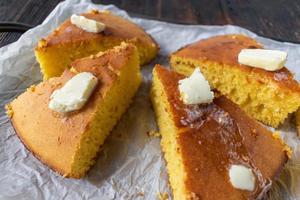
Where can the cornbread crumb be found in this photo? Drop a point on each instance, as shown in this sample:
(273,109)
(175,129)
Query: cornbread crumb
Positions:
(73,70)
(286,148)
(42,43)
(141,194)
(162,196)
(276,135)
(153,133)
(9,111)
(94,11)
(110,67)
(99,54)
(31,88)
(59,140)
(193,196)
(288,151)
(105,11)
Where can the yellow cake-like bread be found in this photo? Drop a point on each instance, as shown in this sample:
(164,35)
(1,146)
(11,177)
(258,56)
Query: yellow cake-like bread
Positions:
(68,143)
(268,96)
(68,42)
(200,142)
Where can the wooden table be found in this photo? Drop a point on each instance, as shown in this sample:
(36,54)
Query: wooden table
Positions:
(277,19)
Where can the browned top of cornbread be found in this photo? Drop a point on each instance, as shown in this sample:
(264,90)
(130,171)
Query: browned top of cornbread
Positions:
(214,136)
(225,49)
(54,137)
(116,28)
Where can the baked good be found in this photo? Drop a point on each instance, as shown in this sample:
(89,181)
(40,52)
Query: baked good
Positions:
(200,142)
(68,143)
(268,96)
(68,42)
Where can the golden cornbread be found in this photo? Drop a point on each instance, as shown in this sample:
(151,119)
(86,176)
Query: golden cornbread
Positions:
(268,96)
(68,143)
(68,42)
(200,142)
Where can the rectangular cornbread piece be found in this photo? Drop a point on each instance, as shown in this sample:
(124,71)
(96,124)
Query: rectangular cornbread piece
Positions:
(200,142)
(68,143)
(268,96)
(69,42)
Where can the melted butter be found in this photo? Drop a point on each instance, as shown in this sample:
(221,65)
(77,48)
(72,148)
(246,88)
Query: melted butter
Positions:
(214,136)
(227,137)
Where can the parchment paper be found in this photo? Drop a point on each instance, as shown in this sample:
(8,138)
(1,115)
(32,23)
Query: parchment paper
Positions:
(131,165)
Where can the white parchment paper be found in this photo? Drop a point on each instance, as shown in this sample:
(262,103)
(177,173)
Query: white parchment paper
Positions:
(131,165)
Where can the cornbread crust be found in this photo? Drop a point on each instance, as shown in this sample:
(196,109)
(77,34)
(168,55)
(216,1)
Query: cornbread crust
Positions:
(226,48)
(211,137)
(117,30)
(56,138)
(222,51)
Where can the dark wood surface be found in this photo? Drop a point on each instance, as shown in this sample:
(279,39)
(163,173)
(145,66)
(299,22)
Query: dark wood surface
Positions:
(278,19)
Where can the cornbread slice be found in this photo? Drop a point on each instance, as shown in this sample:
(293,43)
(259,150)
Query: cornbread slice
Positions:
(268,96)
(68,42)
(200,142)
(68,143)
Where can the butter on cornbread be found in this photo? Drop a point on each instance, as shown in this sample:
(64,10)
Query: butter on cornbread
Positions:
(201,142)
(268,96)
(68,142)
(69,42)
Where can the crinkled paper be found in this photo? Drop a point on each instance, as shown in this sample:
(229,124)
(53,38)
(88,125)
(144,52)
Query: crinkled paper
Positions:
(131,165)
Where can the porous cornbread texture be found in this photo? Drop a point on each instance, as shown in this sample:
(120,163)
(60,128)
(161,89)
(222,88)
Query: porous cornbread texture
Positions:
(200,142)
(268,96)
(68,143)
(68,42)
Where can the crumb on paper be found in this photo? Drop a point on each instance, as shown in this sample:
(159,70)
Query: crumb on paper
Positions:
(193,196)
(286,148)
(105,11)
(9,111)
(94,11)
(288,151)
(141,194)
(162,196)
(276,135)
(42,43)
(153,133)
(31,88)
(72,69)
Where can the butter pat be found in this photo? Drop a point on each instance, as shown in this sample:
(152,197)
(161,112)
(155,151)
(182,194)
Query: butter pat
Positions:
(86,24)
(242,177)
(74,94)
(195,89)
(270,60)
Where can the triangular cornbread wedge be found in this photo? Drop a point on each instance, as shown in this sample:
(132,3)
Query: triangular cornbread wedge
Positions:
(268,96)
(68,42)
(68,143)
(200,142)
